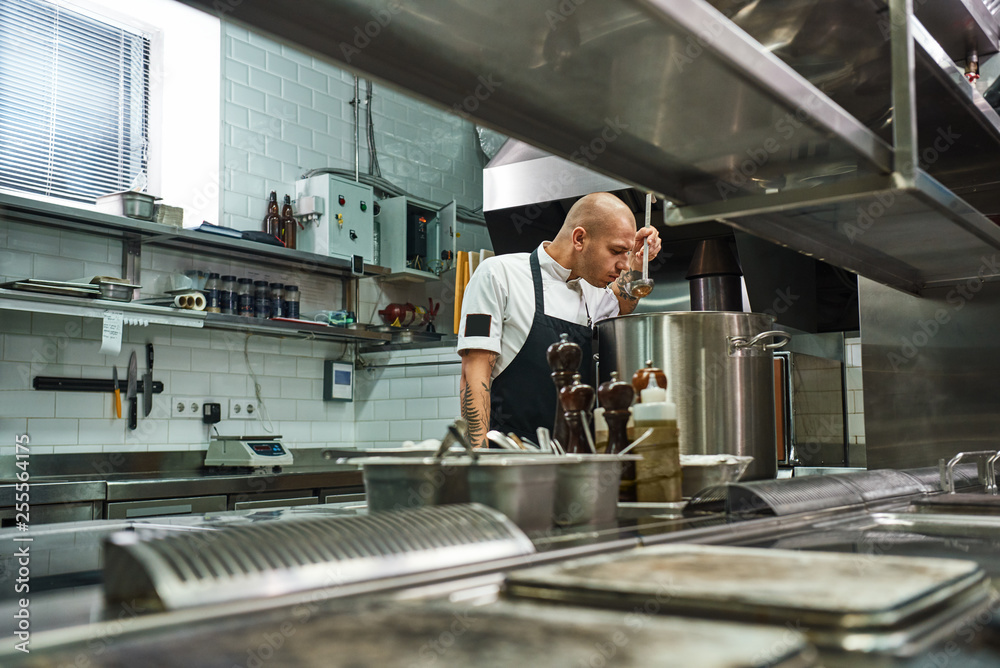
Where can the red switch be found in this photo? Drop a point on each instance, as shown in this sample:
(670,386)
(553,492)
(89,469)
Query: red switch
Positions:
(342,200)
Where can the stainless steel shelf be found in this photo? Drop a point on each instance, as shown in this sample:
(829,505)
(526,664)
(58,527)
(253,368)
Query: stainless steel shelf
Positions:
(958,25)
(21,209)
(278,328)
(419,341)
(33,302)
(585,89)
(16,300)
(792,124)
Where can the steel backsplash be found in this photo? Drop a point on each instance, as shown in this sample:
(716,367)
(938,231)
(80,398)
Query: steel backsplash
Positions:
(930,369)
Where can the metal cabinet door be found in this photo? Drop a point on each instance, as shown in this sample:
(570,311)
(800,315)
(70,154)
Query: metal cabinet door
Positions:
(121,510)
(276,503)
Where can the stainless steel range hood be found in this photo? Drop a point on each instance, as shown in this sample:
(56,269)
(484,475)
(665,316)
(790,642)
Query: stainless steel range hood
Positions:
(850,135)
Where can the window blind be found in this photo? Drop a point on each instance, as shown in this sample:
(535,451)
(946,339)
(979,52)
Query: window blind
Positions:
(74,102)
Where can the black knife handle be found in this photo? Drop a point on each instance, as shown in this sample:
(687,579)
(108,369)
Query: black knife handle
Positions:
(133,414)
(58,384)
(149,356)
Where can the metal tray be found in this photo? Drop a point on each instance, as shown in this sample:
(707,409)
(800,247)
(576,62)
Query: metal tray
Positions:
(834,595)
(394,633)
(55,288)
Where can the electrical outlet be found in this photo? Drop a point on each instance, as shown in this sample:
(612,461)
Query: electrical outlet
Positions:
(187,407)
(242,409)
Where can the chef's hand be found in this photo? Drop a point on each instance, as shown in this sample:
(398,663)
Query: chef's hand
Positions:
(635,259)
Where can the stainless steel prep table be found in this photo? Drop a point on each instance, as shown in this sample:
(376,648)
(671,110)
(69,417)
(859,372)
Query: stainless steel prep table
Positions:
(210,629)
(120,486)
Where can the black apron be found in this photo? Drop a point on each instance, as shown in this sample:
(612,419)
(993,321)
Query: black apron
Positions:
(523,396)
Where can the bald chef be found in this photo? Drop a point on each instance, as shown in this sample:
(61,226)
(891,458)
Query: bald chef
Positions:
(517,305)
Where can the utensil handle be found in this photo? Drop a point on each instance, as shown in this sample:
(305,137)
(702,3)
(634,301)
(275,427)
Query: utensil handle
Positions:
(133,414)
(149,356)
(118,403)
(645,242)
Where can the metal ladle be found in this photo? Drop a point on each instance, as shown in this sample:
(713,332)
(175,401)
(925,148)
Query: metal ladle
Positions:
(640,287)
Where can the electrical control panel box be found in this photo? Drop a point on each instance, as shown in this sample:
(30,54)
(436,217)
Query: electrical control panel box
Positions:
(338,381)
(414,239)
(340,220)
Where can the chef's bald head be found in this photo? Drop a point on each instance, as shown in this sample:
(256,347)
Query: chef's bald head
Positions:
(598,214)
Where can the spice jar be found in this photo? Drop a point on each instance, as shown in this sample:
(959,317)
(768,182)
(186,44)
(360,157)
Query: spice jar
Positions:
(261,304)
(244,297)
(212,288)
(227,295)
(291,301)
(277,296)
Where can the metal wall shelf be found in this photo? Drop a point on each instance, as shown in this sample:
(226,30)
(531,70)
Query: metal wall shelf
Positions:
(33,302)
(24,210)
(17,300)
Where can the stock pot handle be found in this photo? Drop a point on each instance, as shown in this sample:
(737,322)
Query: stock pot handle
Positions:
(781,340)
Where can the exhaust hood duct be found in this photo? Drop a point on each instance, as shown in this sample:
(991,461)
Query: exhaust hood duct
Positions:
(714,277)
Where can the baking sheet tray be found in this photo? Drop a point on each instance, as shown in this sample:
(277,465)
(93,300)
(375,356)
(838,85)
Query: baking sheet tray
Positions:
(843,592)
(441,634)
(54,288)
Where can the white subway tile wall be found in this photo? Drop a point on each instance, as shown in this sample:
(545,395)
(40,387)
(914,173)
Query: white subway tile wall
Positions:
(85,422)
(283,113)
(414,407)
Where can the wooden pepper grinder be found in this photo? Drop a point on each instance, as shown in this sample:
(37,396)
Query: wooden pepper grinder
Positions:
(576,399)
(564,358)
(615,397)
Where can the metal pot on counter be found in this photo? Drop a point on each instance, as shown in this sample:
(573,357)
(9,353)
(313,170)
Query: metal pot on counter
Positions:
(720,374)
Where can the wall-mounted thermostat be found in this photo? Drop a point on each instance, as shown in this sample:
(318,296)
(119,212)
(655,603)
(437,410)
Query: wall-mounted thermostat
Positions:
(338,381)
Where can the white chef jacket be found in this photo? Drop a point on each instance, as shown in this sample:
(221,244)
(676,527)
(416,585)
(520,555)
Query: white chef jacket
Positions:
(501,299)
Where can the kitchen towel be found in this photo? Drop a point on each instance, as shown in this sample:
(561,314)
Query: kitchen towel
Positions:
(461,280)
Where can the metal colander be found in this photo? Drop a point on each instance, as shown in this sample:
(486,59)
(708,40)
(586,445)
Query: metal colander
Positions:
(281,557)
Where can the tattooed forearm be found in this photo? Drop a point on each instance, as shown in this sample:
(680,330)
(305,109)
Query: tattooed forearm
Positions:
(622,285)
(626,301)
(474,392)
(473,416)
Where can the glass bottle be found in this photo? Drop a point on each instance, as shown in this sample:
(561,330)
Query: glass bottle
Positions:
(291,301)
(261,304)
(227,295)
(277,295)
(244,297)
(288,231)
(272,222)
(212,296)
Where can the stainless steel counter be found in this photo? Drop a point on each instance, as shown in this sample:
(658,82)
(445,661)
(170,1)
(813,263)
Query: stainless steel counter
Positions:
(90,483)
(213,634)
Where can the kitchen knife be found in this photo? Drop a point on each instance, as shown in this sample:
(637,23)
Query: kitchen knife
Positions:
(118,394)
(131,391)
(147,382)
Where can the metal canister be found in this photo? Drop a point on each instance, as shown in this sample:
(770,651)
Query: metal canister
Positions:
(720,374)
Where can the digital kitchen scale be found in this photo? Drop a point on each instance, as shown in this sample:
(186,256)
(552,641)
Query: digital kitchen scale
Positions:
(253,451)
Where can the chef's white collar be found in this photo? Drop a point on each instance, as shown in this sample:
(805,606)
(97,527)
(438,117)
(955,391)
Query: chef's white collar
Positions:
(547,263)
